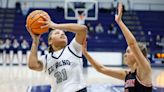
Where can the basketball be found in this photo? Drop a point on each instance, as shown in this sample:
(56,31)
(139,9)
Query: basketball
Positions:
(33,24)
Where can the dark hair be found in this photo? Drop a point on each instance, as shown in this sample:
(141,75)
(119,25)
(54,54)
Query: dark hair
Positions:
(50,49)
(143,48)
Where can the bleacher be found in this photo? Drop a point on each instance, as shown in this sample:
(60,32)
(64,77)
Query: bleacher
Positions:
(7,18)
(152,22)
(145,27)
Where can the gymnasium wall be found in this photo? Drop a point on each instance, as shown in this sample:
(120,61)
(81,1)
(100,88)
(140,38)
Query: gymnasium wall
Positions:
(129,4)
(108,58)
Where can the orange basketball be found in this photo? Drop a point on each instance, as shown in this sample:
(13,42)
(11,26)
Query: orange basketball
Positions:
(33,24)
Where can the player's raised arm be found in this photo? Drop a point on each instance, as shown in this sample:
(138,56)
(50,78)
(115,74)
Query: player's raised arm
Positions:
(80,30)
(119,74)
(33,62)
(132,43)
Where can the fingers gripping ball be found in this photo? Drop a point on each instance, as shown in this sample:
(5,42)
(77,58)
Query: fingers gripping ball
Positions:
(33,24)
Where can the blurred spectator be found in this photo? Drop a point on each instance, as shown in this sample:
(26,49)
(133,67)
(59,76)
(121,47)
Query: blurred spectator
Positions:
(120,36)
(2,47)
(18,7)
(160,43)
(112,29)
(158,38)
(7,52)
(21,38)
(142,33)
(90,30)
(99,28)
(81,18)
(25,8)
(24,47)
(114,6)
(42,47)
(15,48)
(162,40)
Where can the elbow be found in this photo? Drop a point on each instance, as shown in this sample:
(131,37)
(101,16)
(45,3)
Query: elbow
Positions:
(31,66)
(35,66)
(84,29)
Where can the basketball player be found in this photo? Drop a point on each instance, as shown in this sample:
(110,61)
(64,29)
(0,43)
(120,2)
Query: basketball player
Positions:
(15,48)
(63,62)
(138,78)
(8,47)
(24,48)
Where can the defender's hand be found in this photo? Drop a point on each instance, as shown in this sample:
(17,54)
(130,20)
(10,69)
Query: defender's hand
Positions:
(118,17)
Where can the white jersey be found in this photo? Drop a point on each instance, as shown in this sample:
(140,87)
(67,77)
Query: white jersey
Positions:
(65,67)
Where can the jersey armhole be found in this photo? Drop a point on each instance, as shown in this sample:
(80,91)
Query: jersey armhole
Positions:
(144,84)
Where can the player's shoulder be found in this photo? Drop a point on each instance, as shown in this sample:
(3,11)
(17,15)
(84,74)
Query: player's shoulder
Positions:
(70,50)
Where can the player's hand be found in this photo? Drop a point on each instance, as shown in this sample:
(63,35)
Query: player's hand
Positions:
(34,37)
(84,46)
(47,23)
(118,17)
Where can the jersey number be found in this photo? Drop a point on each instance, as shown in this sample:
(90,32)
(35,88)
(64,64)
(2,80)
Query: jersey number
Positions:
(61,76)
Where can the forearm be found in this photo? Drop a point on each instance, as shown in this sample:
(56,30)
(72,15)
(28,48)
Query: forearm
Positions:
(120,74)
(95,64)
(33,57)
(130,39)
(76,28)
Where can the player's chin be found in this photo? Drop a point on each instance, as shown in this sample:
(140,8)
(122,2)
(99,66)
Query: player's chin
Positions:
(63,42)
(125,61)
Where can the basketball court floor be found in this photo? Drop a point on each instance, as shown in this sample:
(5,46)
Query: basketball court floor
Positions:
(19,78)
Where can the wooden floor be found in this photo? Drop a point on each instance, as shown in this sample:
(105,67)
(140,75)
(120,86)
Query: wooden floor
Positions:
(18,78)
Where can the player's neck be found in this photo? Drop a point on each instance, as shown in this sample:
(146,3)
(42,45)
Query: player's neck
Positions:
(57,48)
(133,68)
